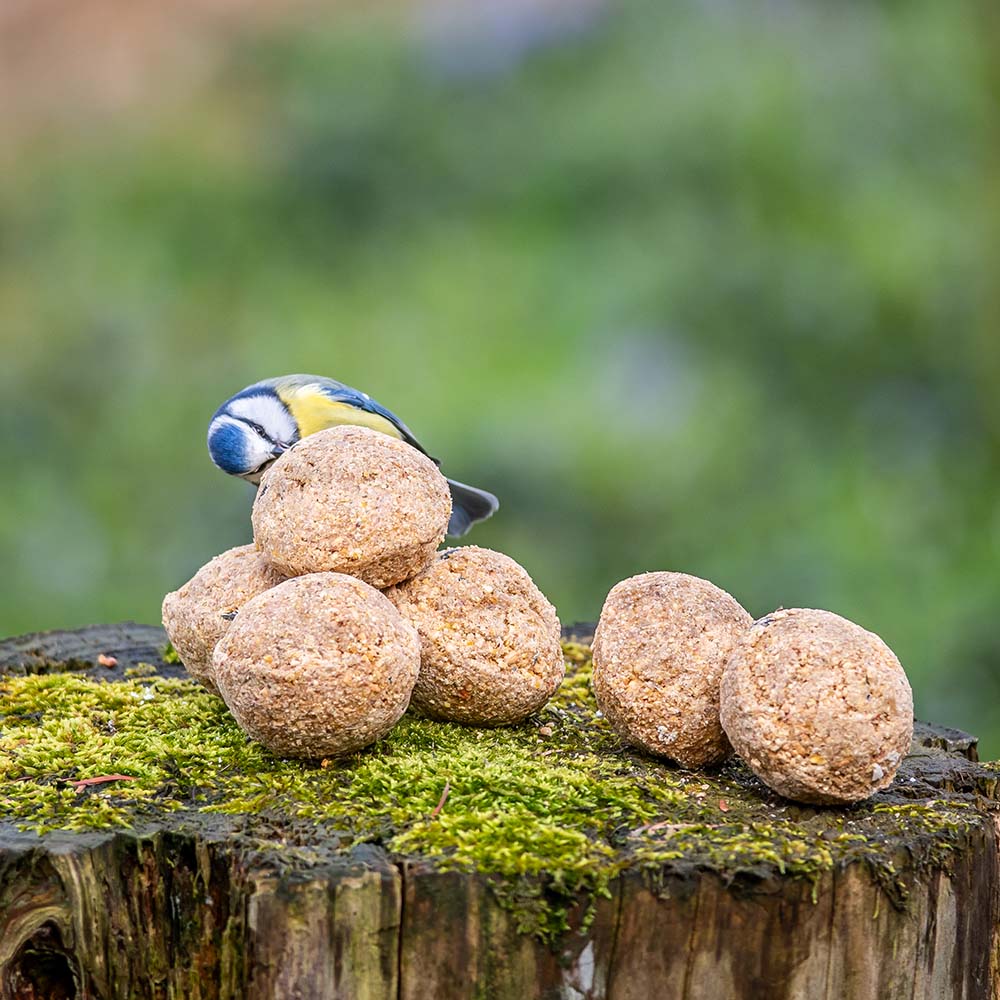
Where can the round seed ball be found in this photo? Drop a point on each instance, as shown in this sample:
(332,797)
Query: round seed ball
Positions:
(319,666)
(352,500)
(490,653)
(819,708)
(659,650)
(193,615)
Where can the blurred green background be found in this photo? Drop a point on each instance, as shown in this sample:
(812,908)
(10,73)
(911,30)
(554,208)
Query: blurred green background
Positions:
(694,286)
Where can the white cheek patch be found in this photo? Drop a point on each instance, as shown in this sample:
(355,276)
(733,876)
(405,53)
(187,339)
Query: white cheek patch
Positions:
(269,412)
(258,451)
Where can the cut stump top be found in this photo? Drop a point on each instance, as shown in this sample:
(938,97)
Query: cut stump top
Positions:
(553,818)
(529,781)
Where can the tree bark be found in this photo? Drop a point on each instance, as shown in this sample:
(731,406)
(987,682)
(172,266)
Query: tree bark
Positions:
(181,912)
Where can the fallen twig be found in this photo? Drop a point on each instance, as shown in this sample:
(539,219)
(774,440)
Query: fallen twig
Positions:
(84,782)
(442,800)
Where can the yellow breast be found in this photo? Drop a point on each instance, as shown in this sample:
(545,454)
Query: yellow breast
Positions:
(315,411)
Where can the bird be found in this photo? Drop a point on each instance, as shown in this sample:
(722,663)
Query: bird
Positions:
(253,428)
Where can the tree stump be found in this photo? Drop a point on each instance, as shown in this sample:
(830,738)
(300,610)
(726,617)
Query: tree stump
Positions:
(547,860)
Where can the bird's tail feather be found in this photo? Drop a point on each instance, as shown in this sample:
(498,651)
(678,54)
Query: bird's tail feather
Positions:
(469,505)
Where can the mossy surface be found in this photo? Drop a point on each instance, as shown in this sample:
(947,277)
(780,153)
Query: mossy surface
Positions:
(557,802)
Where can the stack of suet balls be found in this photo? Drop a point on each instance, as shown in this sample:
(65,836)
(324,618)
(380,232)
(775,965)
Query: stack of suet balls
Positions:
(319,633)
(345,612)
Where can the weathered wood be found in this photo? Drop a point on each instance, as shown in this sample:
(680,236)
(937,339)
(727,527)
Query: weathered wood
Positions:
(458,942)
(128,643)
(190,906)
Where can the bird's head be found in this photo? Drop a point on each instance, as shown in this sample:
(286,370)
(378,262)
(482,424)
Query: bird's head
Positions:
(249,431)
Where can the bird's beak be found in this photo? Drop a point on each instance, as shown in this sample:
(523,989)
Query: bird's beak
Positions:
(276,451)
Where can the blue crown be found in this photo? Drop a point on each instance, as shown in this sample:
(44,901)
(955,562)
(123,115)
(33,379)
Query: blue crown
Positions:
(227,446)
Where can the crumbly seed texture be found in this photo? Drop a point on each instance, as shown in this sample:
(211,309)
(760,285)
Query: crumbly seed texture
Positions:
(489,640)
(319,666)
(193,615)
(352,500)
(659,651)
(819,708)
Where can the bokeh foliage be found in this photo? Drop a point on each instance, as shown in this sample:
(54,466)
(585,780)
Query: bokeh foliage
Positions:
(693,286)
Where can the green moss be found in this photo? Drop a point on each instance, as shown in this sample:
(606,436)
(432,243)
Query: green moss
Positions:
(557,805)
(141,670)
(170,655)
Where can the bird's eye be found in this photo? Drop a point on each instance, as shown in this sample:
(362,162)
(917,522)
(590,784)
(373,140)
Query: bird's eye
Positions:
(257,427)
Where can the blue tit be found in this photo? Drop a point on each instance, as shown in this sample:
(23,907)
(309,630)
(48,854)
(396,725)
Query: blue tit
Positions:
(251,429)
